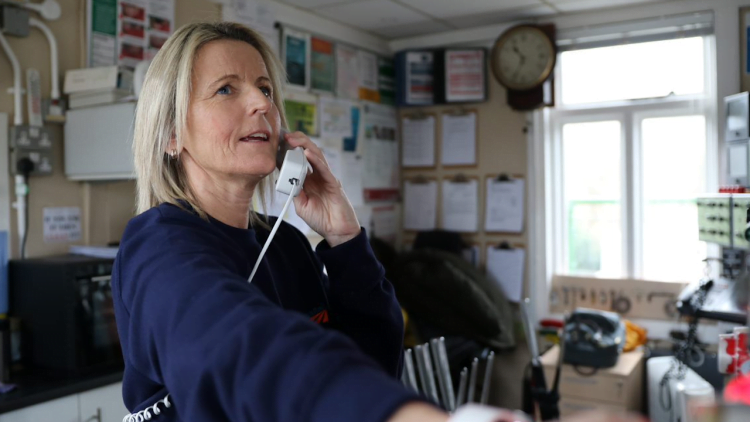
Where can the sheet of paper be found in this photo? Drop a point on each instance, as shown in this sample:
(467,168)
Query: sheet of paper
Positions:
(460,205)
(420,205)
(505,206)
(380,150)
(62,224)
(347,72)
(351,177)
(335,118)
(419,78)
(471,254)
(385,223)
(254,14)
(506,267)
(418,142)
(459,139)
(368,76)
(464,75)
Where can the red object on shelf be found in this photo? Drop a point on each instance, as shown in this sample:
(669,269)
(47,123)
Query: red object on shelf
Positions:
(738,390)
(548,322)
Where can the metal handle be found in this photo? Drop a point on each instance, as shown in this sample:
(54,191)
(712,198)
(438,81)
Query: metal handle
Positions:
(97,417)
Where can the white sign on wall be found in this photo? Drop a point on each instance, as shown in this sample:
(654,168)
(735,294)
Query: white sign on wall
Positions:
(62,224)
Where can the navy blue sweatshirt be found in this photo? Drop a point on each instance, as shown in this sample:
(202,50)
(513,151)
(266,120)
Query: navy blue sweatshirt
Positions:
(293,346)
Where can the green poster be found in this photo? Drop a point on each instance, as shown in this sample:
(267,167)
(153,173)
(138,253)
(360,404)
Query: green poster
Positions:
(322,68)
(386,81)
(302,117)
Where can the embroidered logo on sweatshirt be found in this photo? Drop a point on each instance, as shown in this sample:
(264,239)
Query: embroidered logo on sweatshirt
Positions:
(321,317)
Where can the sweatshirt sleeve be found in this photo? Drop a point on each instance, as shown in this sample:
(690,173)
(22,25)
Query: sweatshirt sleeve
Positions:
(224,352)
(363,301)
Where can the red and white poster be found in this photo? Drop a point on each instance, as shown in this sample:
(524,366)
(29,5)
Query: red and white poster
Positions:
(464,75)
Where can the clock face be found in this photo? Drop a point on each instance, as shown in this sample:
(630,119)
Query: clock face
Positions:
(523,57)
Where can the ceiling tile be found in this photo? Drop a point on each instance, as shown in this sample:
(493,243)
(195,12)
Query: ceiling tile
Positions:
(371,14)
(454,8)
(312,4)
(410,30)
(465,22)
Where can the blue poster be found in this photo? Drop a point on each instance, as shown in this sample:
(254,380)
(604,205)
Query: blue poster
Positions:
(350,143)
(295,56)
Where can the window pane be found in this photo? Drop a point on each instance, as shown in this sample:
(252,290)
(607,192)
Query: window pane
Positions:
(674,173)
(625,72)
(592,195)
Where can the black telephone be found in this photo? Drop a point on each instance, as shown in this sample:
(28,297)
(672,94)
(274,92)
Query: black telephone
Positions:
(593,338)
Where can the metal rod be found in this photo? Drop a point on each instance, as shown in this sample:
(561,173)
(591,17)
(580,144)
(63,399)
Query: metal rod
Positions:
(461,396)
(446,368)
(430,386)
(434,349)
(411,376)
(472,381)
(485,395)
(421,369)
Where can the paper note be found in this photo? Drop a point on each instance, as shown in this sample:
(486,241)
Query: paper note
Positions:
(351,177)
(459,139)
(504,211)
(381,178)
(420,205)
(418,142)
(460,206)
(347,72)
(505,267)
(62,224)
(335,118)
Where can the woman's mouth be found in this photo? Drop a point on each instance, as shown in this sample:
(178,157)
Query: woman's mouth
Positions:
(256,137)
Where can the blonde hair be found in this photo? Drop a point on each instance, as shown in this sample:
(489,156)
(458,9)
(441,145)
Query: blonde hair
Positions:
(162,112)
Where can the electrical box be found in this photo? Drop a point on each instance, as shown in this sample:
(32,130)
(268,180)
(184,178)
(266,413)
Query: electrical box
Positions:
(99,142)
(14,21)
(715,219)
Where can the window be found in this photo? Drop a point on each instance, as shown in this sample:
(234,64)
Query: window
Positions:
(630,152)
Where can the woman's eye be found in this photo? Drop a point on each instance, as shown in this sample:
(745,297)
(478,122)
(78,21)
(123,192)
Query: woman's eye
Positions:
(266,91)
(224,90)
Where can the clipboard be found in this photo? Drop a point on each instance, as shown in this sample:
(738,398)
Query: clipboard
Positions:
(503,214)
(460,111)
(418,115)
(419,214)
(458,222)
(506,264)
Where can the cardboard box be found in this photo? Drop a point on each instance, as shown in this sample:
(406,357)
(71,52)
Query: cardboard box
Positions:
(619,387)
(570,406)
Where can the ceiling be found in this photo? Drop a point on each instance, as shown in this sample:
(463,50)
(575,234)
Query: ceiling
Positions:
(392,19)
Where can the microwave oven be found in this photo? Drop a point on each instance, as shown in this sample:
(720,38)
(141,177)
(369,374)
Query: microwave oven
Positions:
(66,312)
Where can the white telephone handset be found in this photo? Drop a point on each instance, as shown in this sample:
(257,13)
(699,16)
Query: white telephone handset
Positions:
(293,169)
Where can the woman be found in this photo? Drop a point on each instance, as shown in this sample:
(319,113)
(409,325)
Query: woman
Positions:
(206,134)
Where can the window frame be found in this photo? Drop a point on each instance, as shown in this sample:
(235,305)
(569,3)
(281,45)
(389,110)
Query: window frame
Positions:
(630,113)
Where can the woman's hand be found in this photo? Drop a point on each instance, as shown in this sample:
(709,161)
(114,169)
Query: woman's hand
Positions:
(322,203)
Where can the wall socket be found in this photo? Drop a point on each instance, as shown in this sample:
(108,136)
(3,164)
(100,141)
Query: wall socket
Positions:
(42,159)
(32,137)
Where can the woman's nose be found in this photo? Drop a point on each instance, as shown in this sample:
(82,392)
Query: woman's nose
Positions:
(258,102)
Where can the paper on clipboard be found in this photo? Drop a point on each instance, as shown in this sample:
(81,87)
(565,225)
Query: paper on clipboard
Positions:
(505,267)
(420,205)
(418,142)
(459,139)
(505,206)
(460,205)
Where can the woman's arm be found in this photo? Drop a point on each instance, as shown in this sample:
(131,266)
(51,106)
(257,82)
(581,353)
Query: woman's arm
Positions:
(224,351)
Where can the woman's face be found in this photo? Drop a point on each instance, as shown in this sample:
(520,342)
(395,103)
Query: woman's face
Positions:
(232,123)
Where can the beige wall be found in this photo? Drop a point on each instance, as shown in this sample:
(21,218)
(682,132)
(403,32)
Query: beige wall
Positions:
(501,149)
(106,207)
